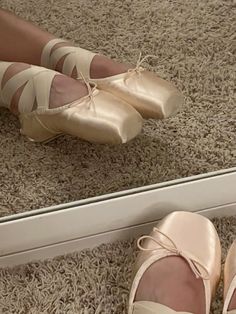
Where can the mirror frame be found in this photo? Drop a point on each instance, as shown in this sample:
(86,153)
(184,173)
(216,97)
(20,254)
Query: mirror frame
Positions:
(62,229)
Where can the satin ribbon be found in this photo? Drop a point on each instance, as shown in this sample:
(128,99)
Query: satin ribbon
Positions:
(172,247)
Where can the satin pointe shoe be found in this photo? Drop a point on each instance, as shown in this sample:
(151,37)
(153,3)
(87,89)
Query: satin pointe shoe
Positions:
(150,95)
(98,117)
(229,278)
(185,234)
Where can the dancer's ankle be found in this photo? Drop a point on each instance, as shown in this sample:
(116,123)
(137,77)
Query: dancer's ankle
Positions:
(64,89)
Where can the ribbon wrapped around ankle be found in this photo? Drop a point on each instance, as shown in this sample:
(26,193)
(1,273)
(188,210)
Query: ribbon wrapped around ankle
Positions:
(172,247)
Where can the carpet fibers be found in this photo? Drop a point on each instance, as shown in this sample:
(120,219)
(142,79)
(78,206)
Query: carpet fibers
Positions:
(194,42)
(91,282)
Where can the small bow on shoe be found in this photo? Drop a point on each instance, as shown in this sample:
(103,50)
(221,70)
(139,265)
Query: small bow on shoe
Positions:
(138,69)
(172,247)
(90,91)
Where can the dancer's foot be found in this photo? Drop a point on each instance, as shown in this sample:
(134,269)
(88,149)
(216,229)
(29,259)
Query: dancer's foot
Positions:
(63,90)
(232,304)
(171,282)
(178,268)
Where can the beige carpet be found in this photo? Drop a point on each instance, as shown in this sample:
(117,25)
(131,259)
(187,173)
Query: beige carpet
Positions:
(91,282)
(194,42)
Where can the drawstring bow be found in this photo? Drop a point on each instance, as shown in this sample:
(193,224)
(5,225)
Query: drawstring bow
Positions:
(172,248)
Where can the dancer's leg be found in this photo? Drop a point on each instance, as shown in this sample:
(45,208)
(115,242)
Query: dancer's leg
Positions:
(64,89)
(21,40)
(24,42)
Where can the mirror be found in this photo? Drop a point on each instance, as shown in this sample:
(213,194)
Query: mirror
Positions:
(193,50)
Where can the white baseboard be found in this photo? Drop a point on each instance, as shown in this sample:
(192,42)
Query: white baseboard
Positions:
(79,244)
(95,240)
(85,225)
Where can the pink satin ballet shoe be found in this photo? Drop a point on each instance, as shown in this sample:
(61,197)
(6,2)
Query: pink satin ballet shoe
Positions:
(185,234)
(98,117)
(150,95)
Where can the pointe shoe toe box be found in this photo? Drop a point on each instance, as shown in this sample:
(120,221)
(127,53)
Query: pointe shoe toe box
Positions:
(103,119)
(150,95)
(194,238)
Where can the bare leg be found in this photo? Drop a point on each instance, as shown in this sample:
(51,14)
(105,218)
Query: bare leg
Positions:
(24,42)
(171,282)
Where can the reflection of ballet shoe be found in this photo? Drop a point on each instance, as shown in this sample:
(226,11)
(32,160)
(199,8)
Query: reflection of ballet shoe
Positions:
(229,278)
(150,95)
(185,234)
(98,117)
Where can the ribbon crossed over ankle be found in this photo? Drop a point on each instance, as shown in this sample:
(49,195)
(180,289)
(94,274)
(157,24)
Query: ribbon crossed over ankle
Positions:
(172,247)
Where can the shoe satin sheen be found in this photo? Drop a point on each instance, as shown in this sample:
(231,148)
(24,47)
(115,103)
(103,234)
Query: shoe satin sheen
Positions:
(98,117)
(150,95)
(106,120)
(185,234)
(229,277)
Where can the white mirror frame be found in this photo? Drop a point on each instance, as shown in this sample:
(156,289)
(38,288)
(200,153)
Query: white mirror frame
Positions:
(56,230)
